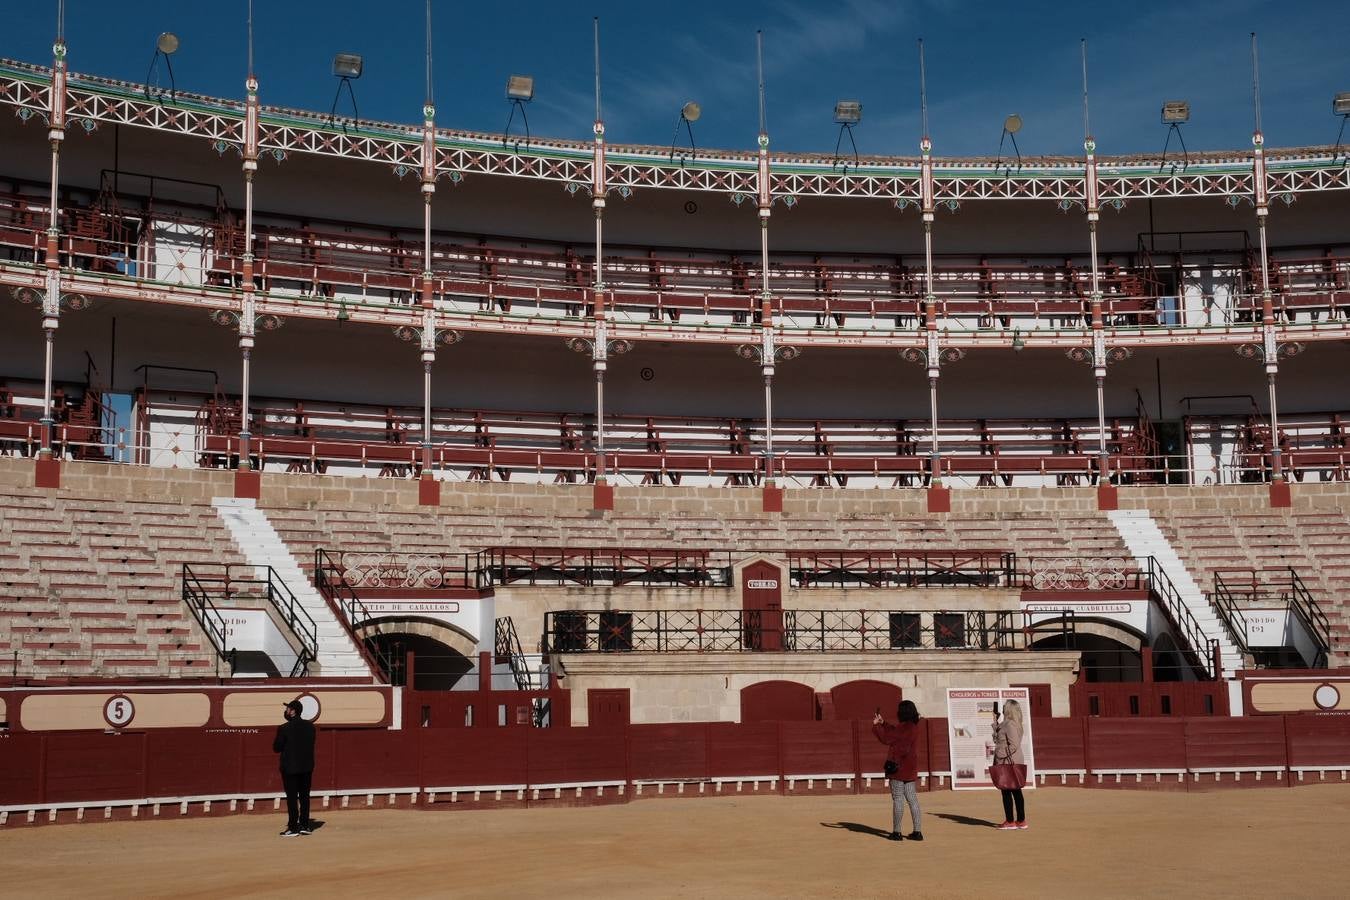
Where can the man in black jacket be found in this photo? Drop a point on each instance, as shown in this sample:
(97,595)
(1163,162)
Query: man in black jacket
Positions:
(295,743)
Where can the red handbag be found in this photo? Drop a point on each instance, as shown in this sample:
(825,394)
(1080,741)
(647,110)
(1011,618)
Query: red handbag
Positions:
(1008,776)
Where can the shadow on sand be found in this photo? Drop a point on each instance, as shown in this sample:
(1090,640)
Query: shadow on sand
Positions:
(966,820)
(857,828)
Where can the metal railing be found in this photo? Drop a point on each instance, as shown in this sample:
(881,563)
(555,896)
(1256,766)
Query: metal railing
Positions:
(198,600)
(1194,642)
(394,570)
(1274,586)
(604,567)
(735,630)
(331,584)
(901,568)
(229,583)
(506,648)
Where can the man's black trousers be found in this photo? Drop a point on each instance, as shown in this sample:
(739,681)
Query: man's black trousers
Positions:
(297,798)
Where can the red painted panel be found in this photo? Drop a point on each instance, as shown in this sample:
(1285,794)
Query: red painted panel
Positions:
(1136,743)
(190,763)
(817,747)
(1235,743)
(84,766)
(668,751)
(20,763)
(260,770)
(859,700)
(939,747)
(1058,743)
(778,701)
(607,707)
(374,759)
(575,754)
(735,750)
(468,756)
(1318,740)
(762,593)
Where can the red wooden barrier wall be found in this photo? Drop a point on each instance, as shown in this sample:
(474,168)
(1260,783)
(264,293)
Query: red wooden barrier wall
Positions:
(93,768)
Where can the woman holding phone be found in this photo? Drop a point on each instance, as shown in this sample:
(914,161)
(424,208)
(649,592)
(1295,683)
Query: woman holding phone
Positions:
(1008,751)
(902,765)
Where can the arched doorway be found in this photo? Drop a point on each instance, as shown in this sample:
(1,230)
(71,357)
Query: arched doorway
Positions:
(862,699)
(1109,651)
(778,701)
(442,654)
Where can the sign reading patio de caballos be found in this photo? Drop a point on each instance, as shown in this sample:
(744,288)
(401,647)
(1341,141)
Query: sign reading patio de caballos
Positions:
(970,734)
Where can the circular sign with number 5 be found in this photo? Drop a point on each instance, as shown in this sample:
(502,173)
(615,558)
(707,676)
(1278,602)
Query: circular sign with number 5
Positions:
(119,711)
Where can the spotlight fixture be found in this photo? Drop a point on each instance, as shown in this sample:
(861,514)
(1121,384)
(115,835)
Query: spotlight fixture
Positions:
(519,91)
(1175,113)
(348,65)
(346,68)
(520,87)
(1011,126)
(1340,105)
(847,113)
(689,113)
(165,46)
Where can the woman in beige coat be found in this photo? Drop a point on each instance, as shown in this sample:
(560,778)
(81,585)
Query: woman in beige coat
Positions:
(1008,749)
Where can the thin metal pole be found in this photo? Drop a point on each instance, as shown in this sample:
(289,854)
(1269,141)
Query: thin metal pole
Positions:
(767,352)
(600,339)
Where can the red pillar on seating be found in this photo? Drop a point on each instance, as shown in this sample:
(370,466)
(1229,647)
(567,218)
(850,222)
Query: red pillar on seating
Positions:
(47,472)
(1280,497)
(773,498)
(939,498)
(428,490)
(1108,496)
(602,496)
(247,484)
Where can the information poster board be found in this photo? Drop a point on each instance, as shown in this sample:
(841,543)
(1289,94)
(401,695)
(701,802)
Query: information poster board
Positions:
(970,733)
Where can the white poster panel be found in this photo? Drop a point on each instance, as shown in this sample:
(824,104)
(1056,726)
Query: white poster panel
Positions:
(1267,627)
(970,734)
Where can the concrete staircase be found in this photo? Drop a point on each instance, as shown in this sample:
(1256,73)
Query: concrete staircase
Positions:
(1144,539)
(262,546)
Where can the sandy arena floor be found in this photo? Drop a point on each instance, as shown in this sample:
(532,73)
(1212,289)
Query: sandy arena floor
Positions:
(1082,843)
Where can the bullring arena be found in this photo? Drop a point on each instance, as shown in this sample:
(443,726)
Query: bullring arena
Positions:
(592,498)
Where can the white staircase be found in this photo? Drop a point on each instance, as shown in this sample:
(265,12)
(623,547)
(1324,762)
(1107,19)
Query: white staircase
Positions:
(262,546)
(1144,539)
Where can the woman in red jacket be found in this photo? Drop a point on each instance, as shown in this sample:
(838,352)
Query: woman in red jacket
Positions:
(904,776)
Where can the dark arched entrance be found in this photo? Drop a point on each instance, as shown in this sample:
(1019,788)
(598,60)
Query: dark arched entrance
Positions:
(442,654)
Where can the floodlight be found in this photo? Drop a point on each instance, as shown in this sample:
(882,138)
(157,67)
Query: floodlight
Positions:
(691,111)
(520,88)
(847,112)
(1340,105)
(347,65)
(165,45)
(1176,112)
(1011,126)
(689,114)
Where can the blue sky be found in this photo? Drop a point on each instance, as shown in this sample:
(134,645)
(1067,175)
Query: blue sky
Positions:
(985,60)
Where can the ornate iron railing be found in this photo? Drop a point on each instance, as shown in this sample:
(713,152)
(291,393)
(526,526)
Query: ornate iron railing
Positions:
(820,631)
(392,570)
(351,611)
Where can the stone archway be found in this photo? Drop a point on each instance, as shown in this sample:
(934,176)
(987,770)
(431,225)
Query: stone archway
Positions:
(442,654)
(1109,651)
